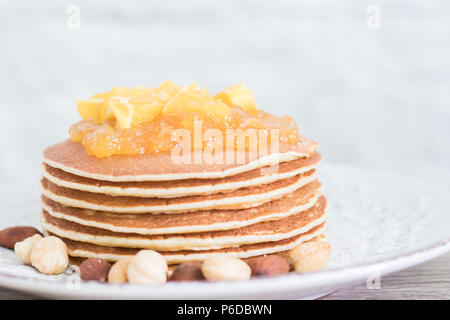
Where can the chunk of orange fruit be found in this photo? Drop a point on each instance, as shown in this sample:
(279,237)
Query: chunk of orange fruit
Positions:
(238,95)
(192,99)
(129,121)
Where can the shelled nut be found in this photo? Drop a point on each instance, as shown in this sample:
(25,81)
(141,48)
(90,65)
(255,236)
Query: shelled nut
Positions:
(23,248)
(226,268)
(310,256)
(118,272)
(49,255)
(147,267)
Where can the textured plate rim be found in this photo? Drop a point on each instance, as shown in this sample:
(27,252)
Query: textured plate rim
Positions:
(328,280)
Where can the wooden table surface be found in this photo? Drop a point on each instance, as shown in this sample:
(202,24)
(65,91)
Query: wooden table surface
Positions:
(430,280)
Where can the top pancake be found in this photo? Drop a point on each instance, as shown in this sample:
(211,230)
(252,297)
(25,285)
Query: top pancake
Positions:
(72,157)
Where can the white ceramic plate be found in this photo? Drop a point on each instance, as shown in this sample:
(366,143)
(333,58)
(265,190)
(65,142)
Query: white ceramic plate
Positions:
(378,223)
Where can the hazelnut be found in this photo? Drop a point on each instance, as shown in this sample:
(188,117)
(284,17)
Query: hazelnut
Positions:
(23,248)
(310,256)
(49,255)
(272,265)
(118,272)
(147,267)
(227,268)
(189,271)
(10,236)
(95,269)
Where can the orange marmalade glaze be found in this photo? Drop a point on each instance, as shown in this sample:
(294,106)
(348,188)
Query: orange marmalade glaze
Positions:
(130,121)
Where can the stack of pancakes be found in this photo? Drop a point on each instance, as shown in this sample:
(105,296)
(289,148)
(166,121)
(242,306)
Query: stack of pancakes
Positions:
(113,207)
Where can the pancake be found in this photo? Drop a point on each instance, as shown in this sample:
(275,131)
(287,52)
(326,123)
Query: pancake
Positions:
(87,250)
(72,158)
(208,220)
(267,231)
(181,188)
(239,199)
(76,261)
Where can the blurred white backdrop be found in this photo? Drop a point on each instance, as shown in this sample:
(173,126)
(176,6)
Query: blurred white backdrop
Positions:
(372,97)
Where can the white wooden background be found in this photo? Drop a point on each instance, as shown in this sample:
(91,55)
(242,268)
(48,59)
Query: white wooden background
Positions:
(372,97)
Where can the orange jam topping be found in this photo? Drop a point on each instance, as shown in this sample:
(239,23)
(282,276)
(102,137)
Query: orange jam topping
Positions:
(130,121)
